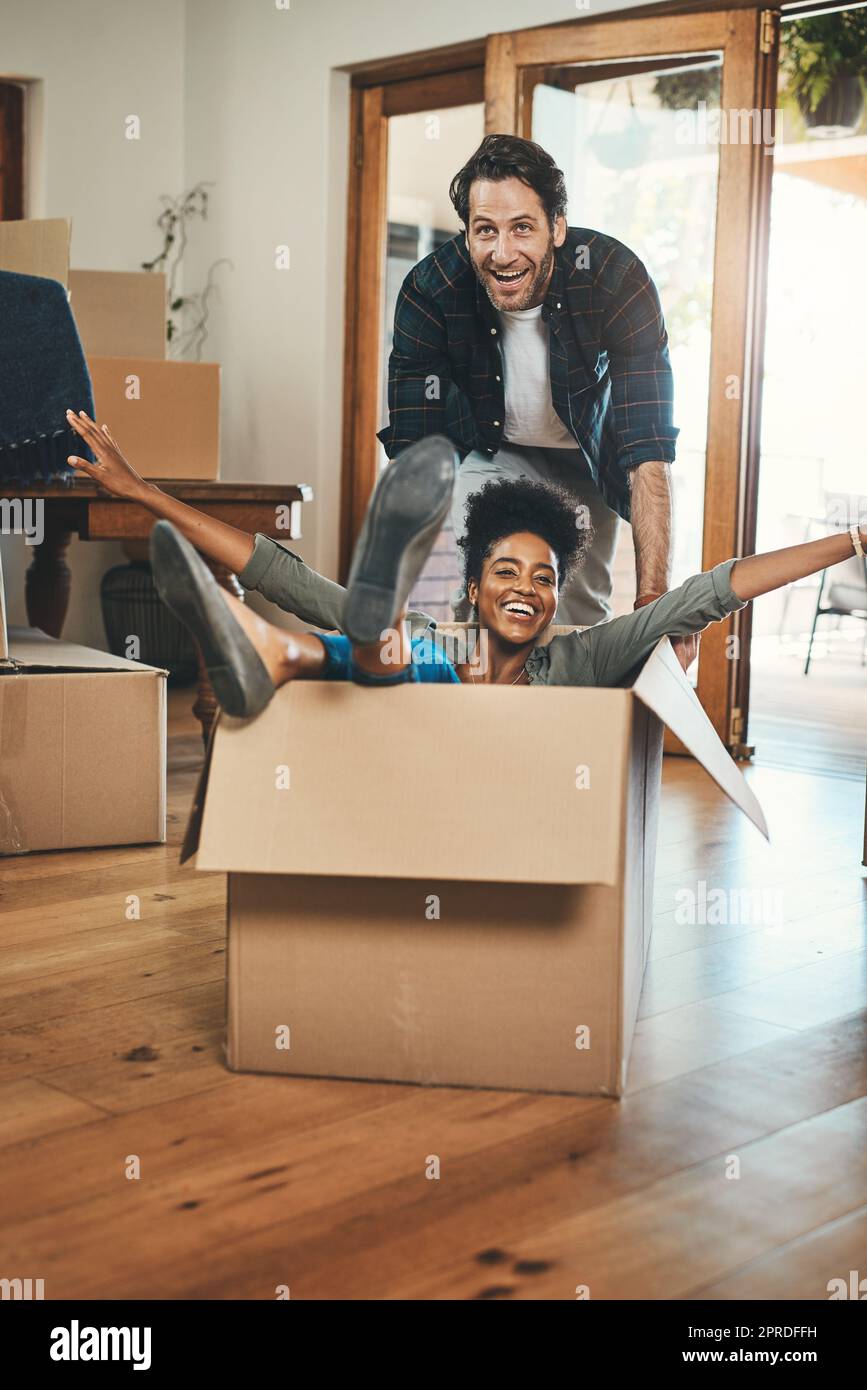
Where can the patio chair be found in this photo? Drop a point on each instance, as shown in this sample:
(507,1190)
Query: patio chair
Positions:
(847,598)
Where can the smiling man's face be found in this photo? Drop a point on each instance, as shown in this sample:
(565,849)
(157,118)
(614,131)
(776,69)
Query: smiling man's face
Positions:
(511,243)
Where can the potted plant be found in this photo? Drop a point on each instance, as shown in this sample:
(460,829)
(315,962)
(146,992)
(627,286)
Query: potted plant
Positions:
(824,62)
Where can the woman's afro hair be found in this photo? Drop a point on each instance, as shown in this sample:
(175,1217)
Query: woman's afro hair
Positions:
(506,506)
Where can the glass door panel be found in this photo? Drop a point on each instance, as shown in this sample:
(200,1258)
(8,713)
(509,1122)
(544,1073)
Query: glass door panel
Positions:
(425,150)
(640,164)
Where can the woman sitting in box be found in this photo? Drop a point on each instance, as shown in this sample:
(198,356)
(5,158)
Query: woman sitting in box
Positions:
(521,542)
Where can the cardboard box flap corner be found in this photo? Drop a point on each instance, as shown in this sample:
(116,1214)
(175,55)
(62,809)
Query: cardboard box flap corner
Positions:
(663,687)
(190,843)
(32,649)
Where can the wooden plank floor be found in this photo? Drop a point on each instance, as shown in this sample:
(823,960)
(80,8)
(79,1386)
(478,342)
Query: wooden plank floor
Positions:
(750,1048)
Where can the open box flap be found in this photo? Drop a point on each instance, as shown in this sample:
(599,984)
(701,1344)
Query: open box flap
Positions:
(663,687)
(419,781)
(32,649)
(192,833)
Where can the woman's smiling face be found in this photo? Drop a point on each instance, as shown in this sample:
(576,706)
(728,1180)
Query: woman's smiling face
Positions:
(516,594)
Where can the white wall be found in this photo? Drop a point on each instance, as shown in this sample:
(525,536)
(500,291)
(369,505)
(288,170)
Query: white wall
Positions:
(248,95)
(94,62)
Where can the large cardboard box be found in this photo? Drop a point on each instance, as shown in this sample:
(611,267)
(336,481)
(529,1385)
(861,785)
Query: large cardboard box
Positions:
(37,246)
(119,313)
(440,884)
(164,415)
(82,747)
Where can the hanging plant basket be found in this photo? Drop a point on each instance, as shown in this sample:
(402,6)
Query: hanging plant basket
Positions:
(621,149)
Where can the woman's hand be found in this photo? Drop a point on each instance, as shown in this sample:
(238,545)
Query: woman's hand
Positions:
(111,470)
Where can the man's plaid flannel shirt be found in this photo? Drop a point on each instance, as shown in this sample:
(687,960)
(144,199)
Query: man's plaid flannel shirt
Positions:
(611,379)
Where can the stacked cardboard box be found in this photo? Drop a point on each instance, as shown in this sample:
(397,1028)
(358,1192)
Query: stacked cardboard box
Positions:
(37,247)
(82,733)
(165,414)
(82,745)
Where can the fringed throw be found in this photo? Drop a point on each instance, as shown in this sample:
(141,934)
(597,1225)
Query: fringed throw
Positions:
(42,374)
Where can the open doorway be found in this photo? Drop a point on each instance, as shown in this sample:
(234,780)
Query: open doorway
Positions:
(425,150)
(626,83)
(808,664)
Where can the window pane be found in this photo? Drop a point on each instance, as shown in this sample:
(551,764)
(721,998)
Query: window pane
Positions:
(642,165)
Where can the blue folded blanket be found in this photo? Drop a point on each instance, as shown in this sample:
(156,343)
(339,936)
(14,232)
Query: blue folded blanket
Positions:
(42,374)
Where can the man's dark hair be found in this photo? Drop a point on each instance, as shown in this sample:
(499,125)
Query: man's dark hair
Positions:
(506,506)
(510,157)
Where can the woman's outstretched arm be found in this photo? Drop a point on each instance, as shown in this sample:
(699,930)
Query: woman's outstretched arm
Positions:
(616,648)
(760,574)
(259,562)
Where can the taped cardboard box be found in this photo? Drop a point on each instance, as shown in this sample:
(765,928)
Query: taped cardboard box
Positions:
(164,415)
(82,747)
(119,313)
(445,885)
(37,246)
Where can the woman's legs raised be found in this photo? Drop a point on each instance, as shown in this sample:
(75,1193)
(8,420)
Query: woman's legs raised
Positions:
(387,657)
(286,656)
(289,656)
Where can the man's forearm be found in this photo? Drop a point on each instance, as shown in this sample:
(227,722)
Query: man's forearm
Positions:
(650,485)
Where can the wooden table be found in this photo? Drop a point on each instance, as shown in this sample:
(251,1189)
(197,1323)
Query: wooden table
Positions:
(88,511)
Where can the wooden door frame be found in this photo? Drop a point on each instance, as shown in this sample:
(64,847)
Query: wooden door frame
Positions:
(371,105)
(740,256)
(12,128)
(740,261)
(740,697)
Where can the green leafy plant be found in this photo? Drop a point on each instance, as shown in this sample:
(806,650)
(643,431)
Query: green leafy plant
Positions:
(186,314)
(818,51)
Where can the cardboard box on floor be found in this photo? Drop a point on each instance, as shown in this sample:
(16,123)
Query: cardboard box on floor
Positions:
(119,313)
(446,885)
(4,635)
(37,246)
(164,415)
(82,747)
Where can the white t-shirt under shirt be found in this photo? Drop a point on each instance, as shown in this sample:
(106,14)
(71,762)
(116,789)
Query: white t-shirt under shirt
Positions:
(530,414)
